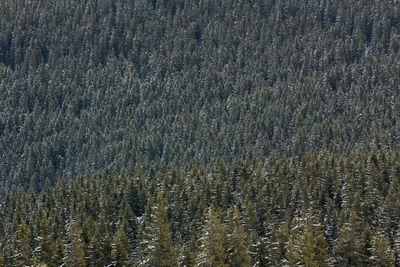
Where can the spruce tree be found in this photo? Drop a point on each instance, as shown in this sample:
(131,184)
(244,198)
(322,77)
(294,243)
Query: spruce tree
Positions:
(21,249)
(74,250)
(59,252)
(121,248)
(237,251)
(212,251)
(280,245)
(156,245)
(348,246)
(307,245)
(396,248)
(381,253)
(45,252)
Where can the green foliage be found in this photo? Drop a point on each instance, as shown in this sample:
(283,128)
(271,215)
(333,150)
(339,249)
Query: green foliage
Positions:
(307,245)
(237,251)
(45,252)
(381,254)
(21,249)
(156,244)
(74,251)
(213,249)
(295,102)
(172,225)
(348,246)
(121,248)
(93,85)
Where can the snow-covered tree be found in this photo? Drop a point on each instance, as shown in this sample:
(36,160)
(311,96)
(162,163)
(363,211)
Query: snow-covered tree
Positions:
(237,251)
(348,246)
(157,248)
(120,249)
(381,253)
(397,248)
(307,245)
(213,241)
(21,252)
(75,256)
(45,252)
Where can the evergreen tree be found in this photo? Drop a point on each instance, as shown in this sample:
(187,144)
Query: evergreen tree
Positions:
(188,255)
(367,245)
(105,248)
(74,251)
(121,248)
(348,247)
(156,244)
(212,251)
(307,246)
(237,251)
(59,252)
(45,252)
(396,249)
(381,253)
(280,245)
(21,249)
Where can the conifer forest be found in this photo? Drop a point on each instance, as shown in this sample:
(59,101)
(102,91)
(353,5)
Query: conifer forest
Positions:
(200,133)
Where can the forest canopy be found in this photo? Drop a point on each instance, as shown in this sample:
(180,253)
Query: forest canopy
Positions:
(199,133)
(93,85)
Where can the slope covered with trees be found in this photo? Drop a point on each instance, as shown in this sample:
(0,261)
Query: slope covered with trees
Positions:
(199,133)
(89,85)
(319,210)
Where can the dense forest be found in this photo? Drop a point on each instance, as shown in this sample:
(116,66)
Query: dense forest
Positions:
(317,210)
(200,133)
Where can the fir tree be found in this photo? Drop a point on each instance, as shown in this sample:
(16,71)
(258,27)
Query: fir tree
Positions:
(156,245)
(381,253)
(212,251)
(307,246)
(45,252)
(21,249)
(59,252)
(74,250)
(237,252)
(348,247)
(280,245)
(121,248)
(396,248)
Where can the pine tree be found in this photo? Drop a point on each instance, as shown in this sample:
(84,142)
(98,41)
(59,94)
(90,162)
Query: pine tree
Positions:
(348,247)
(307,245)
(188,254)
(156,245)
(366,245)
(381,253)
(396,248)
(251,224)
(237,252)
(94,257)
(213,241)
(278,251)
(59,252)
(121,248)
(45,252)
(87,231)
(74,251)
(106,248)
(21,250)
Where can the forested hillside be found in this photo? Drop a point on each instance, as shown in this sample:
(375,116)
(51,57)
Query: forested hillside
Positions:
(88,85)
(200,133)
(319,210)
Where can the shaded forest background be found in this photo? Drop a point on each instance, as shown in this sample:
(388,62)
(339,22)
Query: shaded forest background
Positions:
(89,85)
(172,88)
